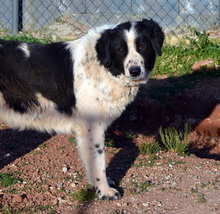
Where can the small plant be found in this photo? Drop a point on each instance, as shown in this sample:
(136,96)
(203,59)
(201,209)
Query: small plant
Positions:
(201,198)
(174,140)
(72,140)
(44,145)
(194,189)
(3,126)
(142,187)
(109,142)
(7,180)
(149,148)
(62,148)
(84,195)
(35,153)
(130,135)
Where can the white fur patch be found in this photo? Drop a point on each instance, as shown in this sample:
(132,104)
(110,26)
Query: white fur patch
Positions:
(25,49)
(133,58)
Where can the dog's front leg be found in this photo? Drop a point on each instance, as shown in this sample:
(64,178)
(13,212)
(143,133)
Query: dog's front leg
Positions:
(92,152)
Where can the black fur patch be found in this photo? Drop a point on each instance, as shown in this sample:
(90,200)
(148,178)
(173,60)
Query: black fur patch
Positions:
(48,71)
(100,151)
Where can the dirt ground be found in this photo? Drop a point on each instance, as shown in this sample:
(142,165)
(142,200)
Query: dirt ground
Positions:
(49,169)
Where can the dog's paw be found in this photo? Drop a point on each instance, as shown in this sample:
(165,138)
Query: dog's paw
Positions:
(110,194)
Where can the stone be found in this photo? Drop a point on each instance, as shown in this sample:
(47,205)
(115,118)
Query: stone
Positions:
(17,198)
(210,126)
(205,65)
(64,169)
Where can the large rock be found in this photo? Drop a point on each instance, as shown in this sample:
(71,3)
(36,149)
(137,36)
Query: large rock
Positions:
(210,126)
(205,65)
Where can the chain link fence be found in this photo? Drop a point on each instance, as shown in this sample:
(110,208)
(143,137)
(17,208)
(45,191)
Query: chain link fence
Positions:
(72,18)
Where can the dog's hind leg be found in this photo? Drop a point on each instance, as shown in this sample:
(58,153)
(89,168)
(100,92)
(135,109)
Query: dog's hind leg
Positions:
(91,148)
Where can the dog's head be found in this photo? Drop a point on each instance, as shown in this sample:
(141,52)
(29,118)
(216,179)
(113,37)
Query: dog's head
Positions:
(130,49)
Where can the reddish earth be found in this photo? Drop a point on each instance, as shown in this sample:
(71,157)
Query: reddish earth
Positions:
(49,169)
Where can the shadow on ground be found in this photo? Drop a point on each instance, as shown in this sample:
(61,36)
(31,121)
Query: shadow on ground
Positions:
(15,144)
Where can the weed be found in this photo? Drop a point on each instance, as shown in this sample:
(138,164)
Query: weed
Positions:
(170,161)
(7,180)
(11,190)
(163,189)
(72,140)
(68,178)
(150,162)
(201,198)
(142,187)
(37,153)
(77,176)
(129,135)
(62,148)
(217,164)
(149,148)
(194,190)
(204,185)
(44,145)
(84,195)
(174,140)
(109,142)
(3,126)
(60,20)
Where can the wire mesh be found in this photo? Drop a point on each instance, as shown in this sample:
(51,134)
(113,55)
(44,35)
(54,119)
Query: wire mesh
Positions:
(72,18)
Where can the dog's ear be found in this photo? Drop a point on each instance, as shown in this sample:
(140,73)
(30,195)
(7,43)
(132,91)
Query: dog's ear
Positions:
(155,35)
(103,48)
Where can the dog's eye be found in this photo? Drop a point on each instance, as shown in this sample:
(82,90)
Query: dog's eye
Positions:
(141,47)
(121,50)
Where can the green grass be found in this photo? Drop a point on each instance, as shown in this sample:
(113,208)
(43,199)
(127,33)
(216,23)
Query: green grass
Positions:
(178,59)
(72,140)
(84,195)
(174,140)
(109,142)
(35,153)
(142,187)
(201,198)
(148,163)
(145,186)
(7,180)
(26,38)
(149,148)
(170,161)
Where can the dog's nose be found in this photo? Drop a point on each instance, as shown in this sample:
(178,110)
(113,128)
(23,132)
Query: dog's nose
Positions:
(135,71)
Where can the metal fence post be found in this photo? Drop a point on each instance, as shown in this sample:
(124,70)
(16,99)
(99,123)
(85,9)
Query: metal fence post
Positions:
(15,15)
(219,14)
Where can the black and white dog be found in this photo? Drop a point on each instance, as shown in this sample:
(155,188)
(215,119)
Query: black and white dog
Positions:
(80,86)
